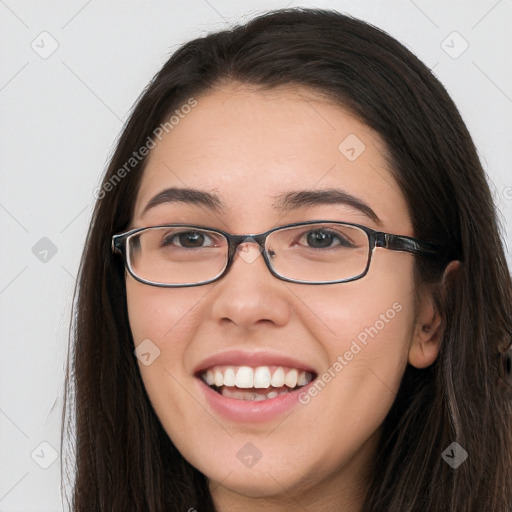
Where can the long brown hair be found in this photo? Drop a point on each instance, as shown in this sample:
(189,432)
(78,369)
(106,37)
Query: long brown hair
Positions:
(124,458)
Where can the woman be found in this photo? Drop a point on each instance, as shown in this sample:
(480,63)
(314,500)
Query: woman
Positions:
(293,293)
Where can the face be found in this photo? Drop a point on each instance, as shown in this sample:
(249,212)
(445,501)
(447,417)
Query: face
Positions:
(249,148)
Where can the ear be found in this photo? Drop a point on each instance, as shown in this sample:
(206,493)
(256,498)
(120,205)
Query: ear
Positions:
(428,329)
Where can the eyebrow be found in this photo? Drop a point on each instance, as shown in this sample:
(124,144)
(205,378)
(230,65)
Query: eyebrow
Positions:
(285,202)
(186,195)
(302,198)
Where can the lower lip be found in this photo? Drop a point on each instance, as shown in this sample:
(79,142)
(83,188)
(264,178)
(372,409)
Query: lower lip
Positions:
(250,411)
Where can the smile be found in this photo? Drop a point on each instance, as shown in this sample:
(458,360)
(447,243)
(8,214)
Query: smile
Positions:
(255,383)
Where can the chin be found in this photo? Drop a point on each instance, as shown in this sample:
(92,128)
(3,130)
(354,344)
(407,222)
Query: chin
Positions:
(254,484)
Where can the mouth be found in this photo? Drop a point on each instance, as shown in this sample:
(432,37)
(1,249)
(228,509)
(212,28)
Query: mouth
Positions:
(255,383)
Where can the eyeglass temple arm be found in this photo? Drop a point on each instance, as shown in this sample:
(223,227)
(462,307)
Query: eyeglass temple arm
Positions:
(117,244)
(406,243)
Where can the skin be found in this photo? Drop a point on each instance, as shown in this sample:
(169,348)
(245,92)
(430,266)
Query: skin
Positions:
(248,146)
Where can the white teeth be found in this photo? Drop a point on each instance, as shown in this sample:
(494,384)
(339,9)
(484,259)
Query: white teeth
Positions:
(302,380)
(262,377)
(244,377)
(278,378)
(291,378)
(218,377)
(209,378)
(229,377)
(243,395)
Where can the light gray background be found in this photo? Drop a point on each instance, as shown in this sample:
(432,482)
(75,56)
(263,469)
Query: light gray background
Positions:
(59,119)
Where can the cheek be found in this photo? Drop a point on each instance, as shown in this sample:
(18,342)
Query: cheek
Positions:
(161,314)
(377,312)
(162,322)
(365,329)
(366,336)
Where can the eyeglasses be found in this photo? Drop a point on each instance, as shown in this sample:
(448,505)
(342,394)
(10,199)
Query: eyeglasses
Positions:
(314,252)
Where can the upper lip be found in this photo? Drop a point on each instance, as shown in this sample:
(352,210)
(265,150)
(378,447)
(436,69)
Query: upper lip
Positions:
(253,359)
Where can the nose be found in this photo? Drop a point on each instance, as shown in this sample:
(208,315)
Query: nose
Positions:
(249,295)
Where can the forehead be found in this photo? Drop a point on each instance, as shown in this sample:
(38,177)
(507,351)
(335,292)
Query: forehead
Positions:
(249,146)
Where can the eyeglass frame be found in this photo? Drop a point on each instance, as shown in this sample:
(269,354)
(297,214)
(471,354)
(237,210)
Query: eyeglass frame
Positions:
(376,239)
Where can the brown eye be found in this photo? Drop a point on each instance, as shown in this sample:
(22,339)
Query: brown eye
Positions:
(188,239)
(321,239)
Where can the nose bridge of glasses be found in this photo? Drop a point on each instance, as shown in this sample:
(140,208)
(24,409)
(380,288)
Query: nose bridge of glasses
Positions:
(238,240)
(241,244)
